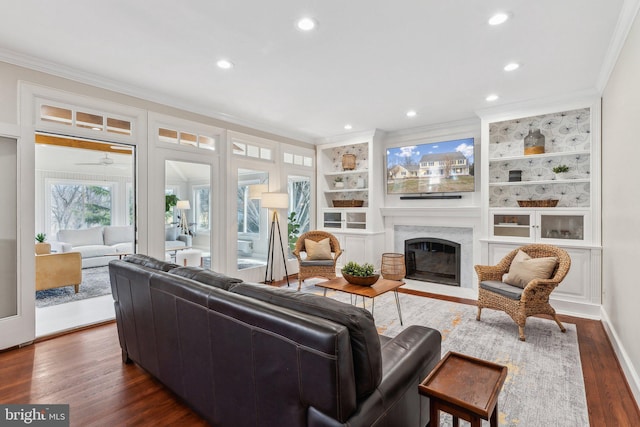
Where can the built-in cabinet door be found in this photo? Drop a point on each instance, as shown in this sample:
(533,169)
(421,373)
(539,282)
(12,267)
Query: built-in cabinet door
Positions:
(344,219)
(578,286)
(355,249)
(549,225)
(512,225)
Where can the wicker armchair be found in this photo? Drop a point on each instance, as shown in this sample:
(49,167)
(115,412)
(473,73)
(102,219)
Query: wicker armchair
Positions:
(516,302)
(320,268)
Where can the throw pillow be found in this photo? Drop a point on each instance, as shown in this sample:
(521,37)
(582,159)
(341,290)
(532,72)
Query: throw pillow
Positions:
(170,233)
(524,269)
(318,250)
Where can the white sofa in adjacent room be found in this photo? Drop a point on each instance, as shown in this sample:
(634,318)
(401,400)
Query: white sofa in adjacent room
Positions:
(97,245)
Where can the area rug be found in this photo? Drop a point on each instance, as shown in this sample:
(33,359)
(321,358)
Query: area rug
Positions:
(544,386)
(95,283)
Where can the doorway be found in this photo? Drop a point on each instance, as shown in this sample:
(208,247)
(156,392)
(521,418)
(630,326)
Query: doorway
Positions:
(85,203)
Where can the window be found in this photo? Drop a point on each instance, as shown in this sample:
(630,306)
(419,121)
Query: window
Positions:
(76,205)
(248,210)
(186,138)
(201,207)
(255,148)
(299,189)
(70,116)
(131,204)
(297,159)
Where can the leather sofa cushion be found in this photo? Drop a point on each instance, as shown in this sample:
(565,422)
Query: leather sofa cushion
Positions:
(206,277)
(504,289)
(365,343)
(150,262)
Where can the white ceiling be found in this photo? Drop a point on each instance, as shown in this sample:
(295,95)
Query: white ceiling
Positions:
(367,63)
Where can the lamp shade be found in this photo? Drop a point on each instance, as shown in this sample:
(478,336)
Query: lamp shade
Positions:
(256,190)
(183,205)
(275,200)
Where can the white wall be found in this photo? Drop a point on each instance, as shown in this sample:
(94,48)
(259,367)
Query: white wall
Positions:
(621,205)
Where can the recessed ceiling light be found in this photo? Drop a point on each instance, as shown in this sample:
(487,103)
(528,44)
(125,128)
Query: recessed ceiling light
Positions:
(348,127)
(498,18)
(224,64)
(511,66)
(411,113)
(492,98)
(306,24)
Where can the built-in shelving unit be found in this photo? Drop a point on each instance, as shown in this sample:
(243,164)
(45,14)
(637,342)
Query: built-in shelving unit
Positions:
(572,138)
(346,210)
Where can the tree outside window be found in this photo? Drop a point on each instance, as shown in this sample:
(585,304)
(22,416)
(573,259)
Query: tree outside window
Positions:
(201,208)
(79,205)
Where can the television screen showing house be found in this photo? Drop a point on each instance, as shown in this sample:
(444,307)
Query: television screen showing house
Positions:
(440,167)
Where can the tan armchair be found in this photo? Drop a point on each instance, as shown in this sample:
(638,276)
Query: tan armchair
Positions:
(316,268)
(58,270)
(517,302)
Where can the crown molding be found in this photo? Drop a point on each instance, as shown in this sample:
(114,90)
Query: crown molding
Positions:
(58,70)
(626,18)
(540,105)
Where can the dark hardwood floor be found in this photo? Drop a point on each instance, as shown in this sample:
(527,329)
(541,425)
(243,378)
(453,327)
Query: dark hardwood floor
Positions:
(84,369)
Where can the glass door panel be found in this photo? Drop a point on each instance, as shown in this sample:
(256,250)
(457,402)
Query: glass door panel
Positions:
(253,221)
(567,227)
(188,211)
(8,233)
(299,215)
(508,225)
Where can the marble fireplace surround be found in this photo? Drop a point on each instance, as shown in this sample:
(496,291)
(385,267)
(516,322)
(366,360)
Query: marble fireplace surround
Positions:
(460,225)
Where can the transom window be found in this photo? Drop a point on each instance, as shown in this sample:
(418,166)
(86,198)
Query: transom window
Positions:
(187,138)
(84,119)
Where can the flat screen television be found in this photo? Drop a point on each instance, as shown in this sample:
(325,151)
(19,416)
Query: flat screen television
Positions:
(434,167)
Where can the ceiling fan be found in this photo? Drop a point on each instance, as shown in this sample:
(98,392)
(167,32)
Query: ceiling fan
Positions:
(104,161)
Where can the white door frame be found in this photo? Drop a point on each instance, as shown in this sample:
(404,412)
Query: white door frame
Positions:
(20,329)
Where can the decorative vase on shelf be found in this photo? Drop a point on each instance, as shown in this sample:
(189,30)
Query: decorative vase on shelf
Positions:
(534,142)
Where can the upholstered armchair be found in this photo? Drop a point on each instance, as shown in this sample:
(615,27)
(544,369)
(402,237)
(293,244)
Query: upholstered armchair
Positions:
(522,297)
(58,270)
(319,261)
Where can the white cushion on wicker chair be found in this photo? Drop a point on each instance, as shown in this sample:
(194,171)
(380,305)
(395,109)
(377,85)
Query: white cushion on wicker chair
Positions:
(318,250)
(524,269)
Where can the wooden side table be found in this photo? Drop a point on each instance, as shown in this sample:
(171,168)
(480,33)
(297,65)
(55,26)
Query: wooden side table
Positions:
(465,387)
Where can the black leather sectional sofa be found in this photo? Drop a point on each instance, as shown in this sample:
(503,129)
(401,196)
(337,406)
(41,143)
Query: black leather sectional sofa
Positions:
(244,354)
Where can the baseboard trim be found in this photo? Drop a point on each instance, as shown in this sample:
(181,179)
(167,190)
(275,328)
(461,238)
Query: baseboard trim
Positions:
(577,309)
(631,375)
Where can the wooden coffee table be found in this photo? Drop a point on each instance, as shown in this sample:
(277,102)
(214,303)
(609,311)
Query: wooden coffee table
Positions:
(465,387)
(380,287)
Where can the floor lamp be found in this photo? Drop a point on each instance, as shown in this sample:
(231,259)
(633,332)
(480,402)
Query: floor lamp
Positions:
(183,206)
(275,201)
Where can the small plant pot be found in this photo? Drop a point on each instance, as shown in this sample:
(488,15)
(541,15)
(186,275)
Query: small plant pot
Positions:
(361,280)
(338,184)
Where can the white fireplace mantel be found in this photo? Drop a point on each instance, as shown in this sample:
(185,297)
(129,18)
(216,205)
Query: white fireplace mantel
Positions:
(471,212)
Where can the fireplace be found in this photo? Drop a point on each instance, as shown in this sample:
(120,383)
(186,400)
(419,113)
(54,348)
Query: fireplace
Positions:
(433,260)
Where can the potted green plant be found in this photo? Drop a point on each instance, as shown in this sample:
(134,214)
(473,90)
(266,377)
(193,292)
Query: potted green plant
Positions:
(338,182)
(357,274)
(560,170)
(41,246)
(170,200)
